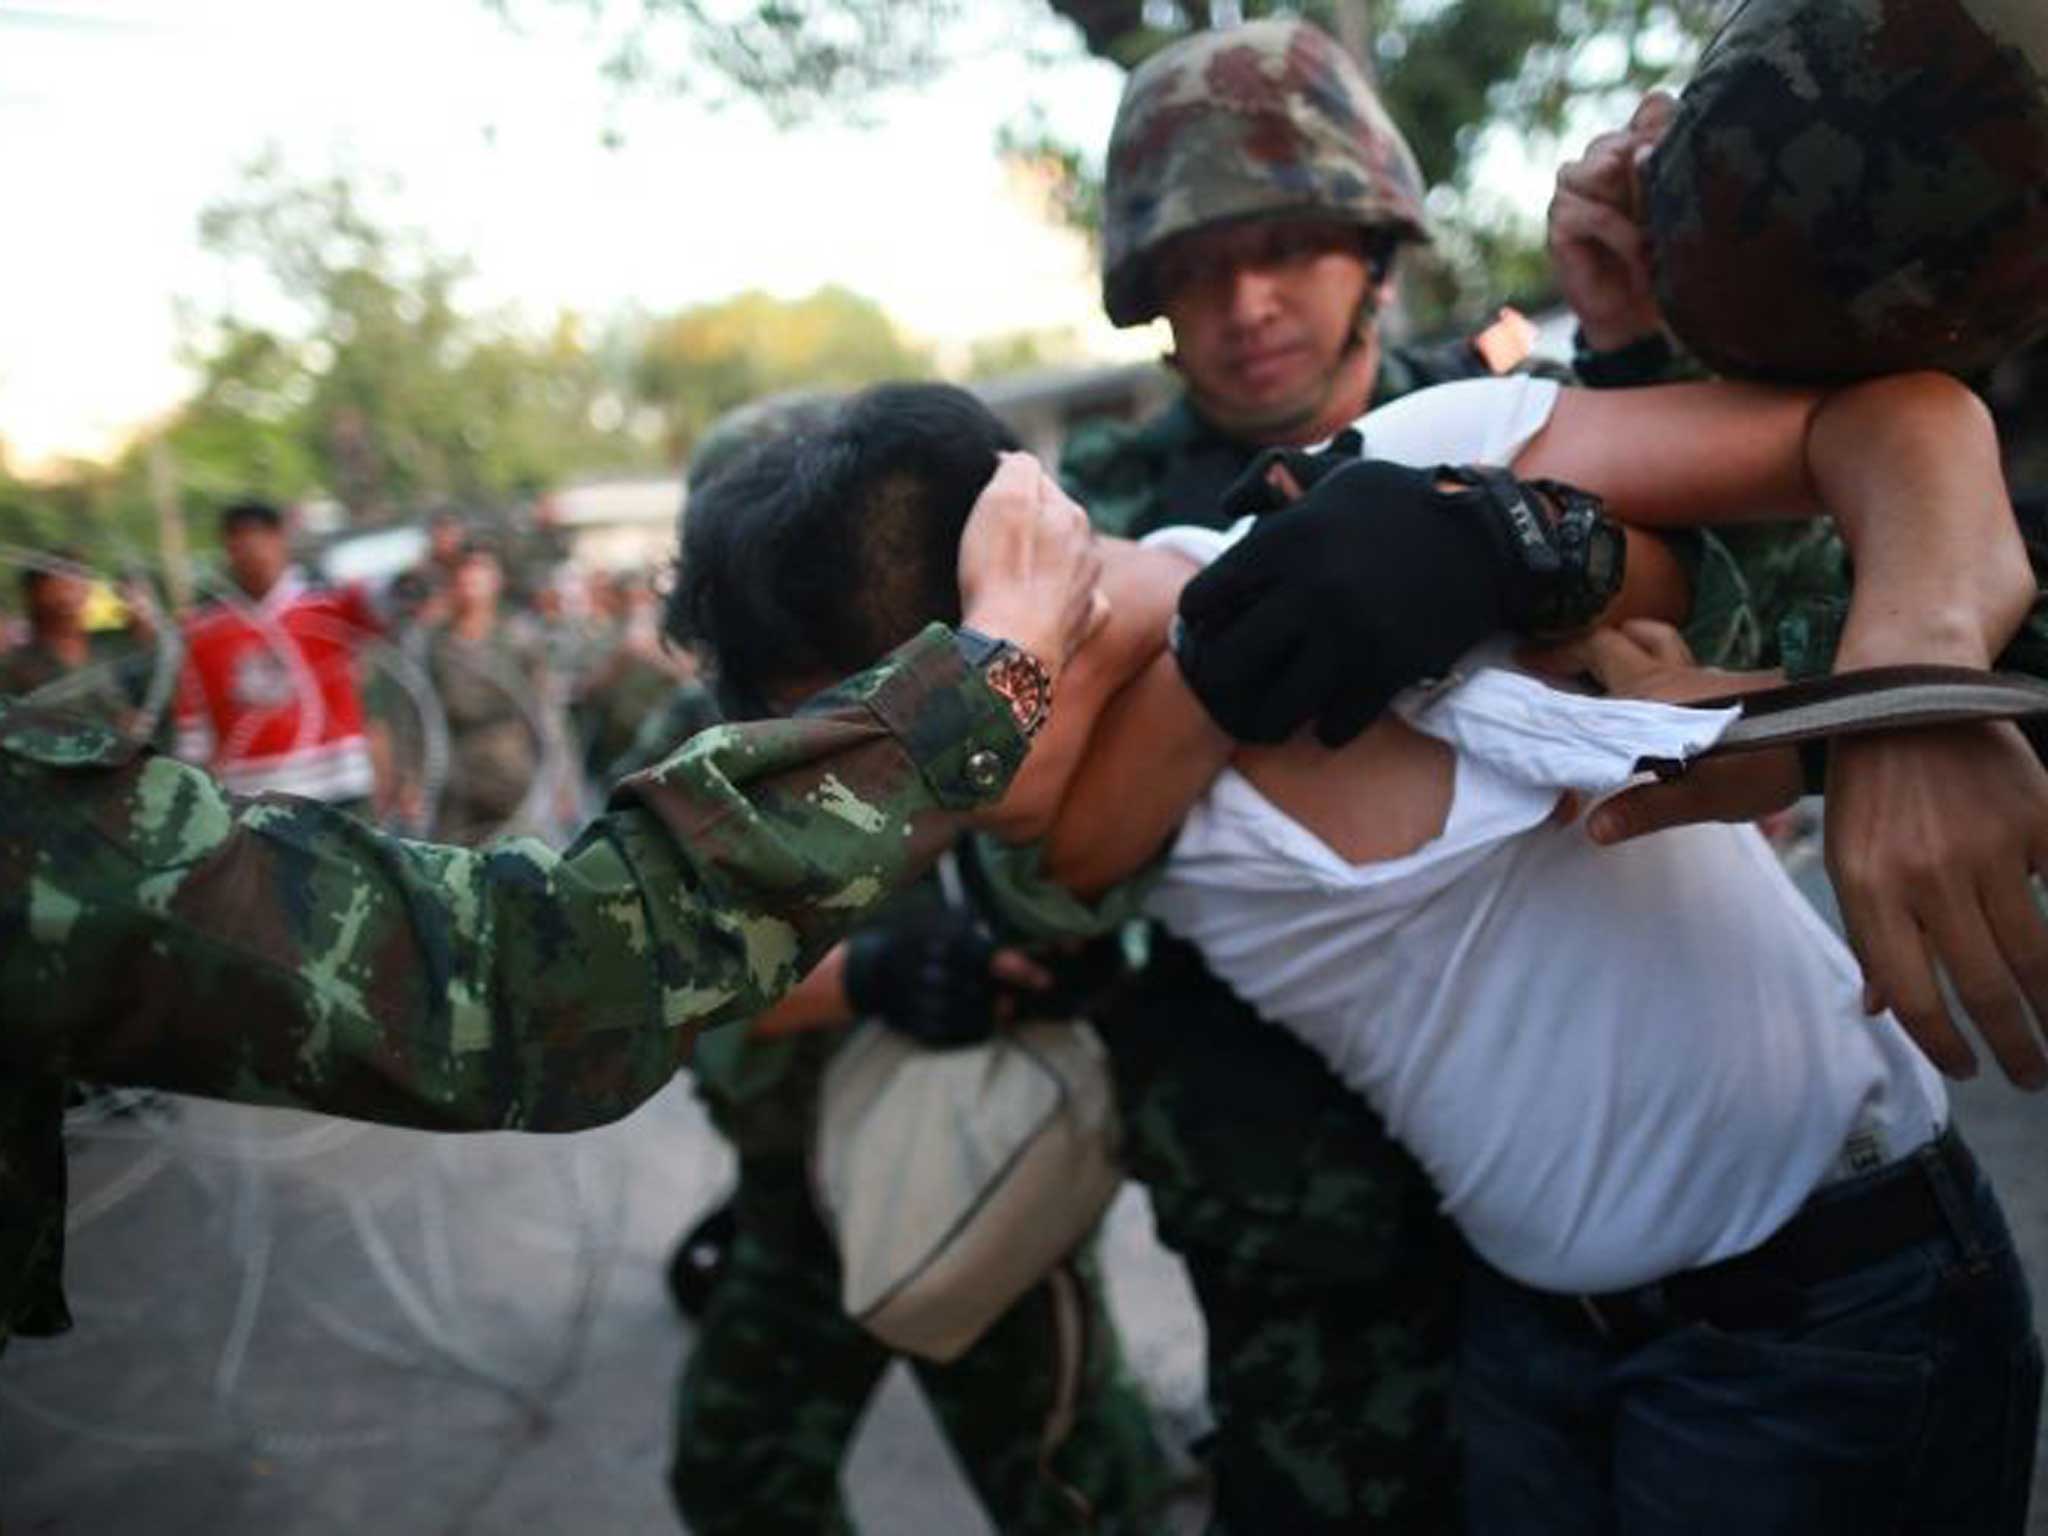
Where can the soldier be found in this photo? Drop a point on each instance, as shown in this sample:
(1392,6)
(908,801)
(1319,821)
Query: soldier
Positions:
(69,664)
(159,932)
(1258,196)
(1777,595)
(772,1324)
(1255,197)
(1855,187)
(498,696)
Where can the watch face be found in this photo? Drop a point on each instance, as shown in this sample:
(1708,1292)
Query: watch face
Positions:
(1022,680)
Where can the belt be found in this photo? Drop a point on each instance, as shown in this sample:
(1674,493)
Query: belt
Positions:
(1825,1239)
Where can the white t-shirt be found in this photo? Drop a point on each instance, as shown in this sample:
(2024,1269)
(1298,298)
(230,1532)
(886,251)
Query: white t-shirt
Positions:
(1615,1063)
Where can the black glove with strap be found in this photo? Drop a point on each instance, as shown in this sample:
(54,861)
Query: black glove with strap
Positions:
(926,977)
(1379,577)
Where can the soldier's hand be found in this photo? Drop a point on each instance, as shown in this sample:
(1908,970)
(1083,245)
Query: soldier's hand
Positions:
(1029,568)
(938,978)
(1642,659)
(1645,659)
(1598,245)
(1933,838)
(1378,577)
(1932,841)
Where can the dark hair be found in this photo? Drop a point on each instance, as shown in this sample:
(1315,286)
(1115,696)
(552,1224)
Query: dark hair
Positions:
(56,562)
(237,514)
(816,552)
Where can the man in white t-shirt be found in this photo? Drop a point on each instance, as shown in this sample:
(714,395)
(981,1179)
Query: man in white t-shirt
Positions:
(1642,1081)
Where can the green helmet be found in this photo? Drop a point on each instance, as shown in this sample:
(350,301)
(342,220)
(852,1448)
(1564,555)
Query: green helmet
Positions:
(1268,120)
(1854,187)
(745,426)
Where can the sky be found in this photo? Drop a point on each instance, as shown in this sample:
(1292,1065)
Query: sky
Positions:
(121,119)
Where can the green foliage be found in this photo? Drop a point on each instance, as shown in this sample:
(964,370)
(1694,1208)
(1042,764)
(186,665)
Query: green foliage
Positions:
(698,364)
(385,391)
(796,59)
(1449,70)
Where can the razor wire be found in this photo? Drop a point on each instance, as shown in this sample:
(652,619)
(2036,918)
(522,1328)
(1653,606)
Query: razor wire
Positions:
(423,1288)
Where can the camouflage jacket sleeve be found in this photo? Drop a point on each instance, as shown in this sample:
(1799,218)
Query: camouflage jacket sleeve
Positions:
(156,931)
(1777,595)
(1027,907)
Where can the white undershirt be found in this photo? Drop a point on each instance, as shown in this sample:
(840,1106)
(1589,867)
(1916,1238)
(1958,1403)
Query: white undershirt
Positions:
(1614,1063)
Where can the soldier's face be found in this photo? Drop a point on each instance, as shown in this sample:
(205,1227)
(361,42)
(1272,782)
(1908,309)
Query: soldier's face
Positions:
(1263,314)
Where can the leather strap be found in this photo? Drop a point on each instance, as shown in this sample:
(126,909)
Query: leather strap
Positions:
(1856,703)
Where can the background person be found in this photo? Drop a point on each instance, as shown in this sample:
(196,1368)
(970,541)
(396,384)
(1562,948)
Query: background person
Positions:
(269,699)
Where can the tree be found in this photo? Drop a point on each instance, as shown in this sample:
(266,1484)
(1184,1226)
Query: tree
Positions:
(1449,70)
(366,376)
(701,362)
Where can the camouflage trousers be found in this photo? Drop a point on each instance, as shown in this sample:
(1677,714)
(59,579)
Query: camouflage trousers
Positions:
(779,1377)
(1331,1396)
(1327,1280)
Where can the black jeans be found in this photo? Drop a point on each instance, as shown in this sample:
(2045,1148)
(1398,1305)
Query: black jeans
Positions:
(1899,1397)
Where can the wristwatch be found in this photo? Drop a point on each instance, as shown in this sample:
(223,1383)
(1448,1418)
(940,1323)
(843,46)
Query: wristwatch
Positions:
(1020,677)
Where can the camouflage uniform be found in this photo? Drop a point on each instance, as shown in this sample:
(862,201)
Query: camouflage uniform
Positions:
(158,932)
(495,695)
(775,1332)
(105,688)
(1326,1278)
(1854,187)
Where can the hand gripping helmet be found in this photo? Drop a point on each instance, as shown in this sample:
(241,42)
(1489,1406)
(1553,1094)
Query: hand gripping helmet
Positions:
(1854,187)
(1268,120)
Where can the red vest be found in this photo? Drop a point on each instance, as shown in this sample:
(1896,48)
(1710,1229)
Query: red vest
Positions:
(268,698)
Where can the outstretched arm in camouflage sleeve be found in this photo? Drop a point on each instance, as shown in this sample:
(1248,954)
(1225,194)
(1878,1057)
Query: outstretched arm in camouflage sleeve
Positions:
(156,931)
(277,951)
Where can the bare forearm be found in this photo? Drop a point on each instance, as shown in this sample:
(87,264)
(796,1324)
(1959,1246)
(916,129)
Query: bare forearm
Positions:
(1909,467)
(1654,585)
(1152,755)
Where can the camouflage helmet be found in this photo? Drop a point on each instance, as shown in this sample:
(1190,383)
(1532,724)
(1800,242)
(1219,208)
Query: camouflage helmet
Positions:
(746,426)
(1853,187)
(1269,119)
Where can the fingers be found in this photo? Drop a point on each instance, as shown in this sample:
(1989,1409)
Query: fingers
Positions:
(1602,172)
(1660,641)
(1614,658)
(1018,969)
(1277,675)
(2020,939)
(1898,973)
(1651,119)
(1029,567)
(1740,788)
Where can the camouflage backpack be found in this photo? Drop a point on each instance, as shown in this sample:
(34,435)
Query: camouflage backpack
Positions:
(1268,120)
(1854,187)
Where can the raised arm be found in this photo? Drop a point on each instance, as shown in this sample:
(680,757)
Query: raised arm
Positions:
(161,932)
(1908,467)
(1932,836)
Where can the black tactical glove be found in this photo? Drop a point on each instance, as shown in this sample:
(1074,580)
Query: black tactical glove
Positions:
(1376,579)
(1279,477)
(925,976)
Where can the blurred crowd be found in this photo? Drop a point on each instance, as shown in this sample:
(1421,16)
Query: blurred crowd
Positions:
(488,689)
